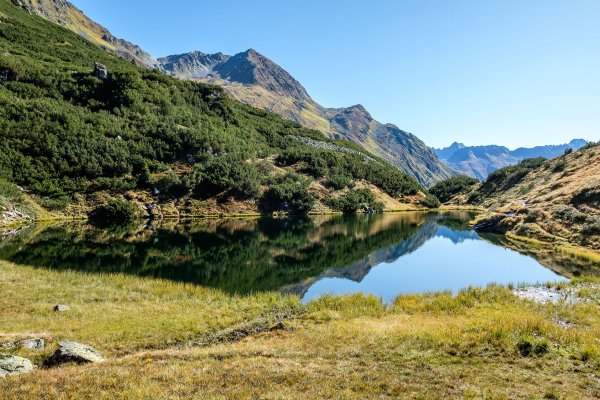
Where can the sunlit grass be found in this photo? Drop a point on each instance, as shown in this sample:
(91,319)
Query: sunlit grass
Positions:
(479,343)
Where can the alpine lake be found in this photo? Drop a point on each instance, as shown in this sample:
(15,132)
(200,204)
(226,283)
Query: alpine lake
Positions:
(384,255)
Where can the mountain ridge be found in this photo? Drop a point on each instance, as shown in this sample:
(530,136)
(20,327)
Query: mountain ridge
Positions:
(64,13)
(479,161)
(256,80)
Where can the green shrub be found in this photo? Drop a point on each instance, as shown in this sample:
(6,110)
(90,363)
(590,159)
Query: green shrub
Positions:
(173,185)
(430,201)
(591,226)
(117,185)
(113,212)
(231,173)
(568,214)
(447,189)
(589,196)
(356,200)
(560,166)
(288,193)
(339,181)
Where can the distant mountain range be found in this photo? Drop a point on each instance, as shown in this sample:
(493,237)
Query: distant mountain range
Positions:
(480,161)
(256,80)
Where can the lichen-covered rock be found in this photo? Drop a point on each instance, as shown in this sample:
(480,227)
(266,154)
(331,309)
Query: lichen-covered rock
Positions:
(34,344)
(13,365)
(74,352)
(61,308)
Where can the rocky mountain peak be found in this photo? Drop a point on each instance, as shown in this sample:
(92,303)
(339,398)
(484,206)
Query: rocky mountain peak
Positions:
(252,68)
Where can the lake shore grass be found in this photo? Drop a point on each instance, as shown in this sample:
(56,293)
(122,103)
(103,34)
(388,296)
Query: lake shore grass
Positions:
(170,340)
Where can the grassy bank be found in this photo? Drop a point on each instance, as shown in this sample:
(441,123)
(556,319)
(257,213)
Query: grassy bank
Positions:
(167,340)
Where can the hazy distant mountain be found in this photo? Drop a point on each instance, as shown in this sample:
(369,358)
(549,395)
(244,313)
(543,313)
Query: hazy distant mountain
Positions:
(480,161)
(254,79)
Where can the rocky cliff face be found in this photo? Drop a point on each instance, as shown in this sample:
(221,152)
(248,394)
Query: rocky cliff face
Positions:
(480,161)
(66,14)
(254,79)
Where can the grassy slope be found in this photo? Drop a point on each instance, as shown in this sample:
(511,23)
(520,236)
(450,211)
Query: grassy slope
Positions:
(423,346)
(542,205)
(13,199)
(40,51)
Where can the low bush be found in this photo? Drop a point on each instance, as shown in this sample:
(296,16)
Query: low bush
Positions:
(339,181)
(589,196)
(288,193)
(356,200)
(172,185)
(231,173)
(447,189)
(569,214)
(430,201)
(113,212)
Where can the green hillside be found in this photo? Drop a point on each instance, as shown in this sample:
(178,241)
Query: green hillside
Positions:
(68,135)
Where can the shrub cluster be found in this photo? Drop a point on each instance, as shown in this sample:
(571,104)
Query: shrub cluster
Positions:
(113,212)
(447,189)
(288,193)
(356,200)
(430,201)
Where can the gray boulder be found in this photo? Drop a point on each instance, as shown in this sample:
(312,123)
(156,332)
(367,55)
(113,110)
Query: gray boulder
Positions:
(13,365)
(100,71)
(61,308)
(34,344)
(74,352)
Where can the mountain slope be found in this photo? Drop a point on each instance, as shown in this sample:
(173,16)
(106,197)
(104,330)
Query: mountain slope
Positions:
(66,14)
(479,161)
(74,139)
(556,201)
(254,79)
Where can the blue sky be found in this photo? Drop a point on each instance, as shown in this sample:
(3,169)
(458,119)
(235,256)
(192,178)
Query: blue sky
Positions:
(508,72)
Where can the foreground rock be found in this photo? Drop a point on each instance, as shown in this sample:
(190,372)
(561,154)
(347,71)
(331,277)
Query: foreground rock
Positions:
(13,365)
(34,344)
(74,352)
(61,308)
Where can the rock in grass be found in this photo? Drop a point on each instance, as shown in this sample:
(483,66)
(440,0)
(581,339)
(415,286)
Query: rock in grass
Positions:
(74,352)
(61,308)
(13,365)
(34,344)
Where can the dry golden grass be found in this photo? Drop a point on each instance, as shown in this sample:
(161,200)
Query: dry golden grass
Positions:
(481,343)
(536,203)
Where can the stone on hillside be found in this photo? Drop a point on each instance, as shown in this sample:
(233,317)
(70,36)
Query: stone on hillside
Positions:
(61,308)
(100,71)
(34,344)
(74,352)
(13,365)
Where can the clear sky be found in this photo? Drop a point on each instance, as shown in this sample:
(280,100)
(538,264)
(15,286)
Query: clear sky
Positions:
(508,72)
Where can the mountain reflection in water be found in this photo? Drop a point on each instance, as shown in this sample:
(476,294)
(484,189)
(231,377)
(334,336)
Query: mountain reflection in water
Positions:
(384,254)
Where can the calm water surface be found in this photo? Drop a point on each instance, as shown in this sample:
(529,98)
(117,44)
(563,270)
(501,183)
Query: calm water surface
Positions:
(384,255)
